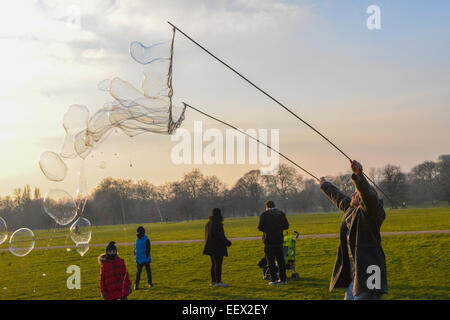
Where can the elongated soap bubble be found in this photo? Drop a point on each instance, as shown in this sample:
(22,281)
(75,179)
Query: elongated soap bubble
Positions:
(60,205)
(80,231)
(3,230)
(145,55)
(82,248)
(52,166)
(21,242)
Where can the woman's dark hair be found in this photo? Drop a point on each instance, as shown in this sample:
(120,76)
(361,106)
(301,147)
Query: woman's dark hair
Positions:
(216,215)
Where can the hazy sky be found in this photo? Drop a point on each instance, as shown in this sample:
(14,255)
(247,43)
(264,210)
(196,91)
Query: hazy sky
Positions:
(382,95)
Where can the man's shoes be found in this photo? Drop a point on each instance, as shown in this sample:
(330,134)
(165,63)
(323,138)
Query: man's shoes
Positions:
(274,283)
(213,284)
(221,284)
(150,285)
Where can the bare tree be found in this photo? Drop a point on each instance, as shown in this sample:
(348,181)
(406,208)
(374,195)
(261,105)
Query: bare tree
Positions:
(394,182)
(426,176)
(250,190)
(283,184)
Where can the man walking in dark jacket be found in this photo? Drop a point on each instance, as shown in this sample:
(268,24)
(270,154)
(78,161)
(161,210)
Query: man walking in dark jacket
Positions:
(272,222)
(360,263)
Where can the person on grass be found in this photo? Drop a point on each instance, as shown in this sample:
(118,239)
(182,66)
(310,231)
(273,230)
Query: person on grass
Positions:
(142,257)
(216,246)
(272,222)
(114,279)
(360,263)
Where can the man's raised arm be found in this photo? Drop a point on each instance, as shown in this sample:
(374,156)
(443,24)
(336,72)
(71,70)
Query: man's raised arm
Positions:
(340,200)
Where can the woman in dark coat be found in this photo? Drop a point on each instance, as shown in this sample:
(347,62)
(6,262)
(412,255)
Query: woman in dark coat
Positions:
(216,246)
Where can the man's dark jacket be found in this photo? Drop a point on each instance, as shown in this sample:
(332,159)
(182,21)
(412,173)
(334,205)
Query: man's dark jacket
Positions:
(365,238)
(272,222)
(216,242)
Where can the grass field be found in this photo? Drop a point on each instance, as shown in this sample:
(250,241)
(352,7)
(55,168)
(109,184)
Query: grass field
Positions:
(418,265)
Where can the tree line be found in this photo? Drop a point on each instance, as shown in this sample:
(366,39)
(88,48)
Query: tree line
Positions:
(120,201)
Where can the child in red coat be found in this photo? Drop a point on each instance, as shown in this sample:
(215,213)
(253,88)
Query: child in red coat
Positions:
(114,279)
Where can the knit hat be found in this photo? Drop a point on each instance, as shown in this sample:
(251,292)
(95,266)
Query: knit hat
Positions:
(111,250)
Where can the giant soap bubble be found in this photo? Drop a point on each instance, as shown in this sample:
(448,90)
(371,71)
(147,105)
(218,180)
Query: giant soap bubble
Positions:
(132,111)
(3,230)
(52,166)
(21,242)
(80,231)
(60,205)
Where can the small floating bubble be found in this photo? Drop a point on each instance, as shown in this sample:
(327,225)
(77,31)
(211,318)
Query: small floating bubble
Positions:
(21,242)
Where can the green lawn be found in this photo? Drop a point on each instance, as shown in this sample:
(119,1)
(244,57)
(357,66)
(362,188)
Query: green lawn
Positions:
(312,223)
(418,265)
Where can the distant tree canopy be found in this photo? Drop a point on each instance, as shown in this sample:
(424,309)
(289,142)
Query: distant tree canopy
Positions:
(119,201)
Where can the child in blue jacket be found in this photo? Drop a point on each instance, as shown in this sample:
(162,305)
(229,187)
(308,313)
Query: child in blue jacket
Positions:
(142,257)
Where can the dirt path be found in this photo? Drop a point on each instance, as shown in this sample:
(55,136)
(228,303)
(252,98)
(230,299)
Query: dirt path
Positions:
(307,236)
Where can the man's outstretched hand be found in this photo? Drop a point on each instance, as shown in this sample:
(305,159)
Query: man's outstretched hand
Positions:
(356,167)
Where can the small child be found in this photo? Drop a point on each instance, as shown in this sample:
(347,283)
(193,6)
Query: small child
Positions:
(114,279)
(142,257)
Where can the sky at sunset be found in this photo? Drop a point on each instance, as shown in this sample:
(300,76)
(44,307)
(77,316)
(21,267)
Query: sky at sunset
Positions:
(381,95)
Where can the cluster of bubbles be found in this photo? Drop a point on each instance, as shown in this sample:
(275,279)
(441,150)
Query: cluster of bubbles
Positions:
(133,111)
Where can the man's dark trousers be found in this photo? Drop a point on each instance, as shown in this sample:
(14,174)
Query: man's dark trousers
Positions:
(275,252)
(139,270)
